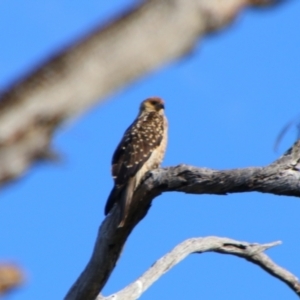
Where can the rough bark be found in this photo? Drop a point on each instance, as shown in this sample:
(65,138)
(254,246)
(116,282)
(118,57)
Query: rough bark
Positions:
(147,36)
(279,178)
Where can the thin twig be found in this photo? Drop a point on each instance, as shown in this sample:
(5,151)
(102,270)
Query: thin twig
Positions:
(251,252)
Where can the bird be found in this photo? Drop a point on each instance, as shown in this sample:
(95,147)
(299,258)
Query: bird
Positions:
(141,149)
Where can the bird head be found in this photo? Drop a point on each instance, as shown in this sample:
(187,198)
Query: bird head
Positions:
(153,104)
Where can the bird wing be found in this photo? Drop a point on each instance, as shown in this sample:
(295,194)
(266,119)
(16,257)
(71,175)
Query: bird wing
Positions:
(141,138)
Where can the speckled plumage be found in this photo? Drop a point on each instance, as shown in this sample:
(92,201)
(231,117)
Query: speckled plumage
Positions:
(141,149)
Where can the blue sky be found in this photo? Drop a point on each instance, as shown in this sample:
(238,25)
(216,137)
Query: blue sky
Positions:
(226,103)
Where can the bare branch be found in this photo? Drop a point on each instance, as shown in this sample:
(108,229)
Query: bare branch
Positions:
(251,252)
(149,35)
(281,178)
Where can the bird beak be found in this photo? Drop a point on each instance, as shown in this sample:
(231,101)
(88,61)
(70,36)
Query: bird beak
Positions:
(161,106)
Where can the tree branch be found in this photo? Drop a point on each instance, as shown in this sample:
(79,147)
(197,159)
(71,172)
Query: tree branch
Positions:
(280,178)
(251,252)
(10,277)
(147,36)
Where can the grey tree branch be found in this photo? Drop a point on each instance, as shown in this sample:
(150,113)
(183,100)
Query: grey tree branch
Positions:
(280,178)
(149,35)
(251,252)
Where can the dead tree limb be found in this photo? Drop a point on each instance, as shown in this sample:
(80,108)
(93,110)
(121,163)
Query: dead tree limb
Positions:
(279,178)
(149,35)
(250,252)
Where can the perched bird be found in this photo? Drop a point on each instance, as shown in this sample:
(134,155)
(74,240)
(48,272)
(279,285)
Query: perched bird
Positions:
(141,149)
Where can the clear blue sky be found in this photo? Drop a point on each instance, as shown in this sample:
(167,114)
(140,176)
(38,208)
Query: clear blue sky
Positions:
(226,103)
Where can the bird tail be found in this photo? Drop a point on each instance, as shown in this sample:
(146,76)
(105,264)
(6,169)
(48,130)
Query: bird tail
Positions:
(122,196)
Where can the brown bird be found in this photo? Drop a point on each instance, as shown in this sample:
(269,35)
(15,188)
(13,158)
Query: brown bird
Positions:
(141,149)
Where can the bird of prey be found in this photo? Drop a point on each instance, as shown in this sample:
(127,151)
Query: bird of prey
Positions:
(141,149)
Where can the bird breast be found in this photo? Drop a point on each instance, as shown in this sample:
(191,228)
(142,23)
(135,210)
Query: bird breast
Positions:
(156,156)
